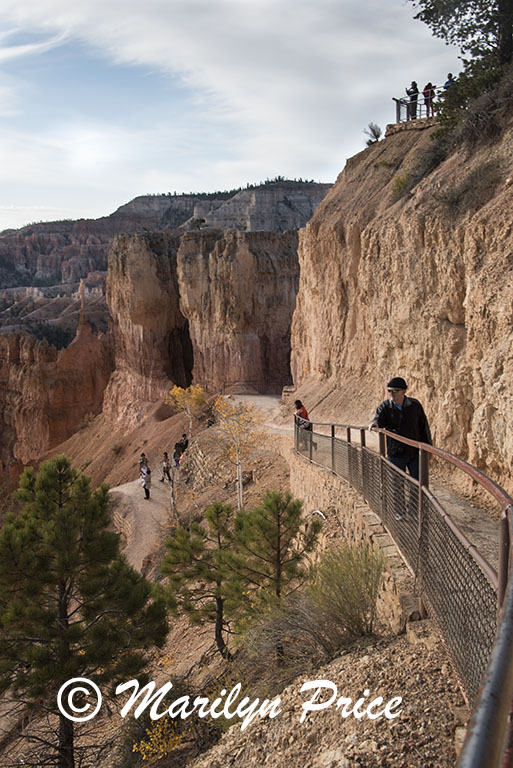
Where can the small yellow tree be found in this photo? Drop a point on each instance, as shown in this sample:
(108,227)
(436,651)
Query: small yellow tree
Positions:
(238,424)
(186,400)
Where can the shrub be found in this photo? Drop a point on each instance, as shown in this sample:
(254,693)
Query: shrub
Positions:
(346,585)
(310,627)
(373,131)
(87,420)
(401,185)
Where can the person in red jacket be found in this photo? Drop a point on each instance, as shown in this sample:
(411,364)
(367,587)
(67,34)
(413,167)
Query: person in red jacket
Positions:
(302,414)
(303,421)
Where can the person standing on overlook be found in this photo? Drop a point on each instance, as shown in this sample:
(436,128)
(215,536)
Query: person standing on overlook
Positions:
(429,95)
(450,81)
(406,416)
(413,93)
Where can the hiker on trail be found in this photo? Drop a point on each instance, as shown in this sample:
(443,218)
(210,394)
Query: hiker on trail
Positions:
(429,95)
(302,420)
(146,483)
(177,453)
(406,416)
(301,416)
(184,443)
(165,468)
(143,462)
(413,93)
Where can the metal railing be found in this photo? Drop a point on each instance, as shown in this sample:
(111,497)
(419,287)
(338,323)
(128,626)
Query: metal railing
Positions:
(405,109)
(461,591)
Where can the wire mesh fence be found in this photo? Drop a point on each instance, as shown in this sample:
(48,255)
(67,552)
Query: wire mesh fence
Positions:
(458,586)
(455,588)
(459,597)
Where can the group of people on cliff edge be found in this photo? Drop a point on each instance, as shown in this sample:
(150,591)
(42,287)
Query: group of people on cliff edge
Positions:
(428,92)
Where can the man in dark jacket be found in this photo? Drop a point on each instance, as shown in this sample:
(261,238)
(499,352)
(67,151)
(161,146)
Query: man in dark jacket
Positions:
(406,416)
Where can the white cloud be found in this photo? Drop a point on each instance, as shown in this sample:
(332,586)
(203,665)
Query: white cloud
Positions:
(8,52)
(279,86)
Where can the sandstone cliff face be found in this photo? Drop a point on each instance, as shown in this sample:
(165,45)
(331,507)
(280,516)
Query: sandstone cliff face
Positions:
(277,207)
(59,252)
(420,287)
(152,346)
(238,292)
(45,394)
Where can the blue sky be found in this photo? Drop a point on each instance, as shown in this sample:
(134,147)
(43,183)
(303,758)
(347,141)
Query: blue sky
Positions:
(104,100)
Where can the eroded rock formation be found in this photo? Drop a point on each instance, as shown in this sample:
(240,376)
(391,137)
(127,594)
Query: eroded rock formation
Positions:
(276,207)
(151,340)
(238,292)
(45,394)
(408,279)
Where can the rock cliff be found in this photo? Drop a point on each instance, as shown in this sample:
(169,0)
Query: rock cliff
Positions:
(211,306)
(45,394)
(415,278)
(238,292)
(277,207)
(52,253)
(151,340)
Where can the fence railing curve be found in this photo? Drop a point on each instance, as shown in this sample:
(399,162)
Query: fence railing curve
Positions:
(461,591)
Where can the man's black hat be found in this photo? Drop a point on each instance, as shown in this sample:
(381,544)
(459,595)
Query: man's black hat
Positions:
(397,383)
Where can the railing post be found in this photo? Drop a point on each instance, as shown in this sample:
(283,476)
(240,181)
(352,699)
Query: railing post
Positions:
(333,448)
(382,451)
(362,462)
(504,547)
(348,434)
(311,441)
(423,483)
(397,110)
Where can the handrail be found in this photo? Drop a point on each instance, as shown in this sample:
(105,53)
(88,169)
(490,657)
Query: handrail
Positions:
(489,741)
(489,729)
(490,485)
(495,490)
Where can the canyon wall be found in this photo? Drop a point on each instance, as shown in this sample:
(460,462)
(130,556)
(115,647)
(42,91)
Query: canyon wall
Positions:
(238,292)
(277,207)
(414,278)
(151,339)
(45,394)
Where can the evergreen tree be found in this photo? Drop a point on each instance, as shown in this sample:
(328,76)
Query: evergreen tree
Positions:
(200,583)
(479,27)
(70,604)
(271,543)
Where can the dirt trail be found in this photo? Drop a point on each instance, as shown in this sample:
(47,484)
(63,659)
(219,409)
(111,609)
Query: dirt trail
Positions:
(475,522)
(143,520)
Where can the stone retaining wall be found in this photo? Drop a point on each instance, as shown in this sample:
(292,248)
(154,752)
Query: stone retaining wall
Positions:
(334,497)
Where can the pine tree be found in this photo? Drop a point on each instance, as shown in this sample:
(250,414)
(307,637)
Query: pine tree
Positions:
(478,27)
(272,542)
(200,584)
(70,605)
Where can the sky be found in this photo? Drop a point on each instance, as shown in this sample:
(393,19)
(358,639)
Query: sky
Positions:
(105,100)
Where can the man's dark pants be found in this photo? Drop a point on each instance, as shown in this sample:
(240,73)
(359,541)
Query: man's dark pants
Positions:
(412,464)
(399,501)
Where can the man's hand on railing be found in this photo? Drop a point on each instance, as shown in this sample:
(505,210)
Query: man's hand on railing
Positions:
(373,426)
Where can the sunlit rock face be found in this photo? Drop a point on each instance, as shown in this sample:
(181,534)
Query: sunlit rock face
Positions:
(151,340)
(45,394)
(415,279)
(238,292)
